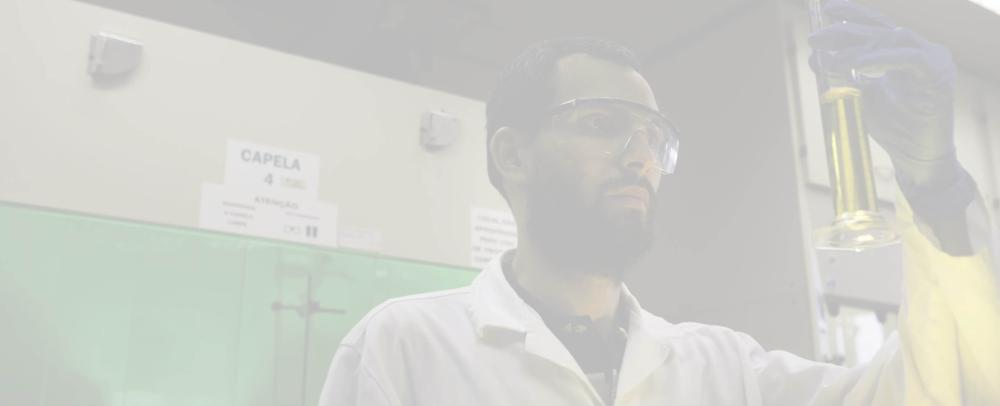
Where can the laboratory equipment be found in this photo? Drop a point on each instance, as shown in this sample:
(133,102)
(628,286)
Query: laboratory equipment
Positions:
(857,224)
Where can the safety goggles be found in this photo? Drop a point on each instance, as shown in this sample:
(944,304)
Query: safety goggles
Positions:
(617,124)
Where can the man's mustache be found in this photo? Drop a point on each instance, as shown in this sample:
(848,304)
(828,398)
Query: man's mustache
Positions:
(627,181)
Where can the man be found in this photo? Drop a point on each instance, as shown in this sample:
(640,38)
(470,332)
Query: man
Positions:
(577,146)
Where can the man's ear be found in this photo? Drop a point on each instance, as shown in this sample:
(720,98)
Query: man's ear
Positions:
(510,155)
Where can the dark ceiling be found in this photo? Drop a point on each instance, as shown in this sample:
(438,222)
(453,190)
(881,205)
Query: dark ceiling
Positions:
(460,45)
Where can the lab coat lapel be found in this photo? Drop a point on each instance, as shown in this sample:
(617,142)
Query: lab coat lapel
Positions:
(542,343)
(647,348)
(497,308)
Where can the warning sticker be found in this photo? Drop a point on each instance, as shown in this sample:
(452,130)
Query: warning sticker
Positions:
(268,215)
(492,232)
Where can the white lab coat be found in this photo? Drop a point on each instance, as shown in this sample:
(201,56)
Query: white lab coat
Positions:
(482,345)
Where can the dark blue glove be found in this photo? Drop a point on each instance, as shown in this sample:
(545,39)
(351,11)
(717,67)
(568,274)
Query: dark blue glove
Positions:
(908,85)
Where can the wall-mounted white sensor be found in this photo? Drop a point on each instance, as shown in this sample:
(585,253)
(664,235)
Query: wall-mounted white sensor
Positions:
(113,55)
(438,129)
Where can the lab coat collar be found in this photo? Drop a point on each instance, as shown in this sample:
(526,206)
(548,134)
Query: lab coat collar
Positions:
(500,315)
(496,308)
(648,346)
(498,312)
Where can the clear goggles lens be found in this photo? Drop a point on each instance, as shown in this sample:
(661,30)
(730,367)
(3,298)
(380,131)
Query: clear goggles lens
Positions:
(620,124)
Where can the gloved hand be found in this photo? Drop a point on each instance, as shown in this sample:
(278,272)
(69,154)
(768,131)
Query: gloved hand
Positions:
(908,91)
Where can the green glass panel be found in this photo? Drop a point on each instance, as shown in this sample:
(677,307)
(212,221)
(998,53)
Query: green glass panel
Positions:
(108,312)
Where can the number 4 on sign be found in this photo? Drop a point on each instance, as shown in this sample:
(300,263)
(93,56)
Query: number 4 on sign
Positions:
(269,179)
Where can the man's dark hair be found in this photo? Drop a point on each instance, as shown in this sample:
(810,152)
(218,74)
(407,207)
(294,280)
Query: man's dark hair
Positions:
(525,87)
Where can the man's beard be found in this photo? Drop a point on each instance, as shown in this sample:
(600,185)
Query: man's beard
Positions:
(576,234)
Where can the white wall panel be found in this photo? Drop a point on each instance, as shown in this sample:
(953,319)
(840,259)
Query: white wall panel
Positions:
(140,148)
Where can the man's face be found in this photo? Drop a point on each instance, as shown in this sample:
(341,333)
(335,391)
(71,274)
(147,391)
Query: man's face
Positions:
(590,207)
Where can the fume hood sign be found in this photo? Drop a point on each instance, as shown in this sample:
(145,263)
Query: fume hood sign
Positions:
(273,170)
(260,214)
